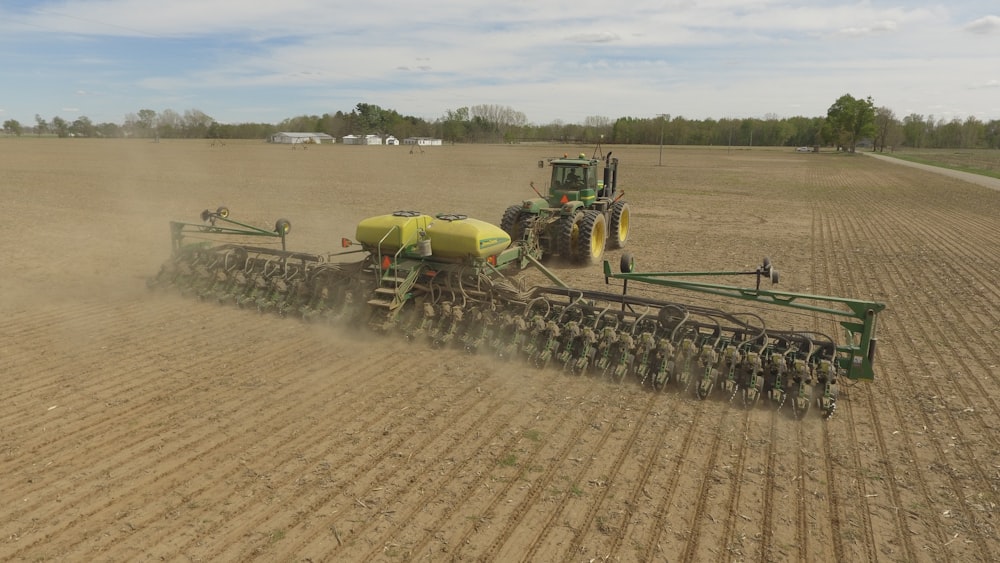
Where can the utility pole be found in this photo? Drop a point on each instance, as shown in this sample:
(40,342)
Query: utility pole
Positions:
(663,117)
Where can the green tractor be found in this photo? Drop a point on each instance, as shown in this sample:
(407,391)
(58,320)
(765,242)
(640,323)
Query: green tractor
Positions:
(583,214)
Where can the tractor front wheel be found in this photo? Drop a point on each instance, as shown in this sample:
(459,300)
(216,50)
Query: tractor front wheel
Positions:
(619,226)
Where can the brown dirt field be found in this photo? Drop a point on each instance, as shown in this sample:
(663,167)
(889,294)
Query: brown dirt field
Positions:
(143,426)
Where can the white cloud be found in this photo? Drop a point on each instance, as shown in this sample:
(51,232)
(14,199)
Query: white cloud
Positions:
(879,27)
(987,84)
(596,37)
(984,25)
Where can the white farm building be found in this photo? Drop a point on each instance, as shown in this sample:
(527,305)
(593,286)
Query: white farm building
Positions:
(422,141)
(300,138)
(362,140)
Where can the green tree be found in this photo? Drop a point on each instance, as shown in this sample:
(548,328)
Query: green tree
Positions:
(82,127)
(851,120)
(41,125)
(61,126)
(887,129)
(12,127)
(196,124)
(169,124)
(454,126)
(109,130)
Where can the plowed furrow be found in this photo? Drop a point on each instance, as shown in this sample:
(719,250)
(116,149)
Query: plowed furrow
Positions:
(802,523)
(859,519)
(425,492)
(892,279)
(360,479)
(692,551)
(303,446)
(170,457)
(730,548)
(602,479)
(543,532)
(890,287)
(650,545)
(94,430)
(46,340)
(523,509)
(437,530)
(323,445)
(767,513)
(634,501)
(820,278)
(851,233)
(490,512)
(967,349)
(91,396)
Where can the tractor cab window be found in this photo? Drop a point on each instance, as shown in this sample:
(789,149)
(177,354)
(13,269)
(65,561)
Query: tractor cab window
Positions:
(571,177)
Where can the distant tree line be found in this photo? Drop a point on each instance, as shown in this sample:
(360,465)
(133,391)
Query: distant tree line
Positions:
(849,122)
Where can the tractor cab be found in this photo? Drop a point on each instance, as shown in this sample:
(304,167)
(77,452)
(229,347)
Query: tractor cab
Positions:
(582,179)
(573,179)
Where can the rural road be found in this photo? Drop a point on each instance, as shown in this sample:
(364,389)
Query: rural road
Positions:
(985,181)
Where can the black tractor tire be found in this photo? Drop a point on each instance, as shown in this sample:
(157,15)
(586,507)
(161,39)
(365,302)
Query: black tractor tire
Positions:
(627,263)
(618,227)
(592,239)
(511,222)
(569,235)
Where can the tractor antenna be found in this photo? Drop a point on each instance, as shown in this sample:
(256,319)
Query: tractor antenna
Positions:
(597,149)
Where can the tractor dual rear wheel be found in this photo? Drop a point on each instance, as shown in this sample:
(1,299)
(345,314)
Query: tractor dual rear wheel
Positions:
(593,236)
(569,235)
(511,222)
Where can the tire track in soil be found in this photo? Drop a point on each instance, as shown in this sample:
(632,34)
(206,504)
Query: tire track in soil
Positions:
(975,343)
(168,455)
(660,516)
(733,500)
(234,546)
(820,270)
(861,509)
(522,509)
(165,464)
(33,333)
(597,502)
(99,387)
(690,552)
(952,234)
(106,427)
(434,529)
(446,480)
(890,286)
(366,418)
(767,527)
(646,471)
(294,448)
(532,551)
(502,493)
(847,231)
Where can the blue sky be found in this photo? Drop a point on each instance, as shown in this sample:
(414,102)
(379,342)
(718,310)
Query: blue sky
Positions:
(256,61)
